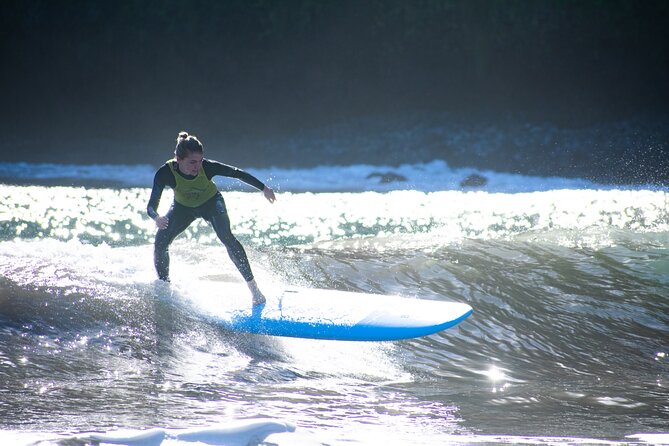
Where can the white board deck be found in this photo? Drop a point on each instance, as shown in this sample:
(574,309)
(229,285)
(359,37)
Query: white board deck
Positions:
(334,315)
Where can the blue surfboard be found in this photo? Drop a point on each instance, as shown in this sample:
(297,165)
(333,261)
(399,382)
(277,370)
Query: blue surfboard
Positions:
(333,315)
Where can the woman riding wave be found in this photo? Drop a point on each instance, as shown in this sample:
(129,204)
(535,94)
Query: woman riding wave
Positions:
(189,174)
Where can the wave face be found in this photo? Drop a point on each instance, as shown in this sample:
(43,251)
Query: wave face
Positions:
(567,342)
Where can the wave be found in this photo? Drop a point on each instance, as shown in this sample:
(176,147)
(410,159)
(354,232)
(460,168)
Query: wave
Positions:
(566,339)
(431,176)
(570,330)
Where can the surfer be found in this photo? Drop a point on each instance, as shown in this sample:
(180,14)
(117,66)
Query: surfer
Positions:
(196,196)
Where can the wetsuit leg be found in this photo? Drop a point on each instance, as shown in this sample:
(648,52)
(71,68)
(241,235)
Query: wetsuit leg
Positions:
(179,219)
(217,215)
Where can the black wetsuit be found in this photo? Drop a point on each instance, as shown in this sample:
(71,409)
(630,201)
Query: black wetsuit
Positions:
(213,211)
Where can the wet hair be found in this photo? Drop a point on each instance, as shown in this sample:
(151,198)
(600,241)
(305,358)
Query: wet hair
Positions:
(187,143)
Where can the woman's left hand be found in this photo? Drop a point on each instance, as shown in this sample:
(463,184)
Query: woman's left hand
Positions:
(269,194)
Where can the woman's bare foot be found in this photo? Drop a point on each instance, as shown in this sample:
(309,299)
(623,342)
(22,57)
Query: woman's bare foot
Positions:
(258,296)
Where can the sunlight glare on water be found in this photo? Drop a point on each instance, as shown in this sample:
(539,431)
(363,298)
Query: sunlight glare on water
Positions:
(498,379)
(67,213)
(118,217)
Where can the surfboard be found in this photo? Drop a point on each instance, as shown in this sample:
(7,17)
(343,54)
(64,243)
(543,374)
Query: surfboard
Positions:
(334,315)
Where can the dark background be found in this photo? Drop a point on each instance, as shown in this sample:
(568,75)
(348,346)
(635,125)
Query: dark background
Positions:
(114,81)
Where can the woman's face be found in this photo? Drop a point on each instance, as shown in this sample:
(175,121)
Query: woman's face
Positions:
(190,164)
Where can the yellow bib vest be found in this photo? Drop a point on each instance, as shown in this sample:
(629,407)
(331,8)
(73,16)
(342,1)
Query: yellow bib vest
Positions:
(195,192)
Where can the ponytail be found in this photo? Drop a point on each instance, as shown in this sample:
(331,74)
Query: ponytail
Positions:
(187,143)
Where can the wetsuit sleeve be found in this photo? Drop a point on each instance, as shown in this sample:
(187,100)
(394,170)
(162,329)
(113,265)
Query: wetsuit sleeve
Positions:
(162,178)
(213,168)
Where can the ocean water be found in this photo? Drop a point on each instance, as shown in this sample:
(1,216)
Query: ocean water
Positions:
(568,342)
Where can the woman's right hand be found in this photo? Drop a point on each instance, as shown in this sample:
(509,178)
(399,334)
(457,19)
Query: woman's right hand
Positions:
(162,222)
(269,194)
